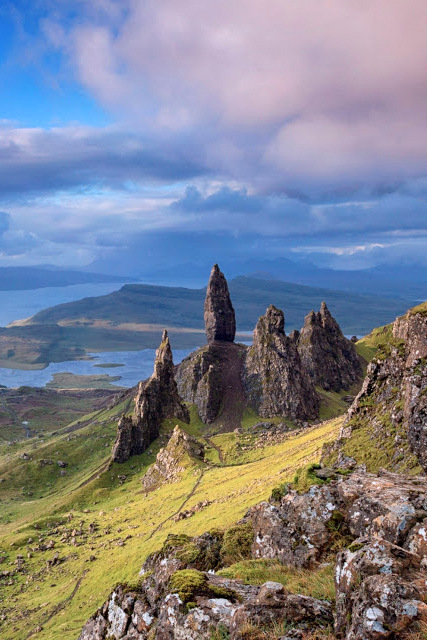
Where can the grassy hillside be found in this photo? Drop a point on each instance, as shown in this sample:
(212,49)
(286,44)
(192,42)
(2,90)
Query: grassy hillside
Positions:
(115,524)
(34,412)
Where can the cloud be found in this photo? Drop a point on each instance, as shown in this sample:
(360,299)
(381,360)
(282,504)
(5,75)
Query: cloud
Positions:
(289,96)
(37,160)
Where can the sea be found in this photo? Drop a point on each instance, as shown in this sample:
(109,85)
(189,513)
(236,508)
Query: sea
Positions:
(17,305)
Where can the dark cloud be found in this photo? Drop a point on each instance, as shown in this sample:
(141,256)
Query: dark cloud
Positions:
(37,160)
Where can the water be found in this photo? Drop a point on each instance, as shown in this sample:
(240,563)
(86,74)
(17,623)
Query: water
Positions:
(138,365)
(17,305)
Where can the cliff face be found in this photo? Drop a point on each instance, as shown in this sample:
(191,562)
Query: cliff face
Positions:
(156,400)
(390,412)
(325,353)
(275,381)
(220,320)
(211,378)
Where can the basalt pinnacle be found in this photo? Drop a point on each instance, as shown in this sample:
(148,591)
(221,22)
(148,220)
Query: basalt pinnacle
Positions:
(327,355)
(156,400)
(220,319)
(275,381)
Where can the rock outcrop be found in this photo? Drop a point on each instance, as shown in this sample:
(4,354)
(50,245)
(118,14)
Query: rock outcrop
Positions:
(211,378)
(328,356)
(390,412)
(172,460)
(373,527)
(275,381)
(156,400)
(220,320)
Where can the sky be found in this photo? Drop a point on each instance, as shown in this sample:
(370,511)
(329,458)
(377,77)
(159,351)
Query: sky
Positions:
(137,136)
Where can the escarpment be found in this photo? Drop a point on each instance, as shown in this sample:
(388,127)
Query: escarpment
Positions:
(330,359)
(156,400)
(276,383)
(389,415)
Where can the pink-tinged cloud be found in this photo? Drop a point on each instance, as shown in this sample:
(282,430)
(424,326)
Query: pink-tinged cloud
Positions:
(284,93)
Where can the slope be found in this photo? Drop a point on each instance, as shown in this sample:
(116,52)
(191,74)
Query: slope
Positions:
(66,522)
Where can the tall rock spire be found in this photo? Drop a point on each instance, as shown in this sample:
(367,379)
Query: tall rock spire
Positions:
(156,400)
(220,319)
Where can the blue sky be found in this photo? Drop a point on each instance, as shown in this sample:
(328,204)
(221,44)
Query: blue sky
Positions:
(196,131)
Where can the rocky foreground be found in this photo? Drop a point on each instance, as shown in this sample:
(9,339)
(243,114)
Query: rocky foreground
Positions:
(378,524)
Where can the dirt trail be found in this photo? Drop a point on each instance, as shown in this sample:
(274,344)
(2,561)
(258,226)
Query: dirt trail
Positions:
(59,607)
(215,446)
(190,495)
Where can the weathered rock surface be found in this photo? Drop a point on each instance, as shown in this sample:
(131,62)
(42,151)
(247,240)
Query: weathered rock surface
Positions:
(156,400)
(220,320)
(211,378)
(171,461)
(378,521)
(275,381)
(330,359)
(392,404)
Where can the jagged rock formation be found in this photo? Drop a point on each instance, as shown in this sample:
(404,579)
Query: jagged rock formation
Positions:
(156,400)
(172,460)
(390,412)
(275,381)
(211,378)
(220,320)
(377,523)
(326,354)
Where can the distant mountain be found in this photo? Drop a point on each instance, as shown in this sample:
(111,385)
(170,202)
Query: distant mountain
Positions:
(19,278)
(142,304)
(393,280)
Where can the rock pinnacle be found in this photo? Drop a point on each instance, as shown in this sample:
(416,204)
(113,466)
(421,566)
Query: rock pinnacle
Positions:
(220,320)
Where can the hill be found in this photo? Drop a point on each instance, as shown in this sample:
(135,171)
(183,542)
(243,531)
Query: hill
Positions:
(16,278)
(73,523)
(133,318)
(147,304)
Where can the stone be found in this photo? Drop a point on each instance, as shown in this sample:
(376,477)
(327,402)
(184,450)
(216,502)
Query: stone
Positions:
(330,359)
(211,378)
(274,379)
(393,397)
(156,400)
(219,316)
(170,461)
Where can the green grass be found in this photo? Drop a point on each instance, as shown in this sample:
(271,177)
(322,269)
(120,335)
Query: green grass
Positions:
(318,583)
(367,347)
(122,512)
